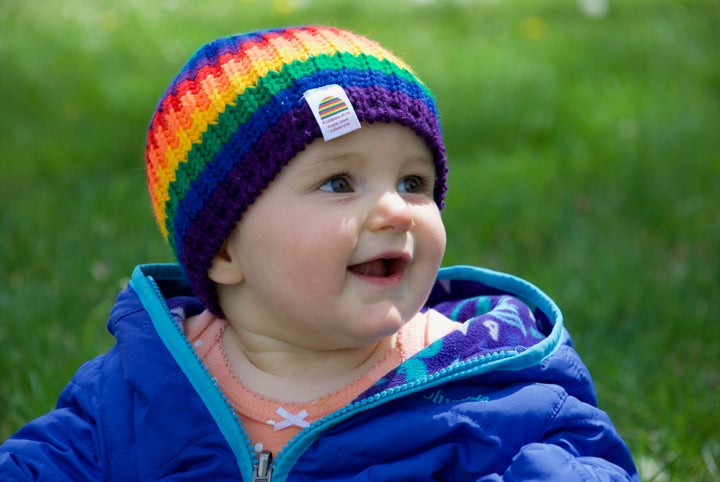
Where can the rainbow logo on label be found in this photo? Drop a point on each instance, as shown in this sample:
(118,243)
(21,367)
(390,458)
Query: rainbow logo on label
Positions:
(330,106)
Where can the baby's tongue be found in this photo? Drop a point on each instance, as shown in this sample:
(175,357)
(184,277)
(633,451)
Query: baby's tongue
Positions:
(371,268)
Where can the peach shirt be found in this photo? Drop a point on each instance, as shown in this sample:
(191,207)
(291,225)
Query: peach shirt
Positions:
(271,424)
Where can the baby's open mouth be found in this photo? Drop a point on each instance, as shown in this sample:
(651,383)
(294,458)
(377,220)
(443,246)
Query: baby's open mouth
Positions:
(380,268)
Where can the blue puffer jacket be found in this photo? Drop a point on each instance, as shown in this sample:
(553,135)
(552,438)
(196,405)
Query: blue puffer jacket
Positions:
(503,398)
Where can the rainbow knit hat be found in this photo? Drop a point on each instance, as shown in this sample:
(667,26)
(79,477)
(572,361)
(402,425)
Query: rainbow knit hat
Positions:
(236,114)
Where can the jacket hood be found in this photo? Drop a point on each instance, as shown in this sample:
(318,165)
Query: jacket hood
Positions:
(507,324)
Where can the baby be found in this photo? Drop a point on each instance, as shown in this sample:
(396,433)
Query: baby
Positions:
(308,332)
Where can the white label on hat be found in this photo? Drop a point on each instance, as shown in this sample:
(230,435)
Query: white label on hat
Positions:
(332,110)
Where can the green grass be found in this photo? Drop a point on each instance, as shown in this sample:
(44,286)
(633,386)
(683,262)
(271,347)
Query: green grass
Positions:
(585,157)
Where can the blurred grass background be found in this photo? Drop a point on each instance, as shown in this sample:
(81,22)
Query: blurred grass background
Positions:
(584,140)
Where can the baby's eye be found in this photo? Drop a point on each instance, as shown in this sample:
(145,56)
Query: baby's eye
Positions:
(337,184)
(413,184)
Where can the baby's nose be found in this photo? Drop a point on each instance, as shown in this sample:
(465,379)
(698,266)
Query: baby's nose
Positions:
(391,211)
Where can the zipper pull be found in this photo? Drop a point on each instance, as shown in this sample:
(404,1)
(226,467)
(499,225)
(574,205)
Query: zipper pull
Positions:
(262,472)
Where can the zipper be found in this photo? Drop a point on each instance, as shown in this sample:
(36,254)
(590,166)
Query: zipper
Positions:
(239,437)
(262,471)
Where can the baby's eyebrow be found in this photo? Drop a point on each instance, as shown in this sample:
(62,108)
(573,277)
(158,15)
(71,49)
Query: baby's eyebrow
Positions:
(326,161)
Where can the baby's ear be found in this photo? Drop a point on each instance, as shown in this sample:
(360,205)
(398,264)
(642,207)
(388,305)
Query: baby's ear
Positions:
(225,268)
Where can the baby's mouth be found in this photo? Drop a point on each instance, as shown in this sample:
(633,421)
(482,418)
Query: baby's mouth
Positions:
(380,268)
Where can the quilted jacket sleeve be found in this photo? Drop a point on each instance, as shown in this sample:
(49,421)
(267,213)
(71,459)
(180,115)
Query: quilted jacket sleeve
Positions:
(579,441)
(63,445)
(580,445)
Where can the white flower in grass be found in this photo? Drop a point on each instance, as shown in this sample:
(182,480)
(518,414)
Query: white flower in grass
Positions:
(594,8)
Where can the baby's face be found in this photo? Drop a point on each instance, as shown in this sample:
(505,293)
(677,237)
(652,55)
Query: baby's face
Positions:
(344,245)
